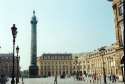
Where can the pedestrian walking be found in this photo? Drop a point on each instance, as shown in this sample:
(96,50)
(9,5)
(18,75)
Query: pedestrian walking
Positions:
(22,80)
(83,78)
(94,78)
(114,78)
(91,79)
(97,78)
(110,77)
(55,81)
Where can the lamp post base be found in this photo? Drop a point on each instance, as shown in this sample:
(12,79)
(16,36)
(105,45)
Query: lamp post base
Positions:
(12,81)
(17,80)
(105,80)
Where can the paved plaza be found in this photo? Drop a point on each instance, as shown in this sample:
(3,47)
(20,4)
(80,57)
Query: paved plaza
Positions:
(50,80)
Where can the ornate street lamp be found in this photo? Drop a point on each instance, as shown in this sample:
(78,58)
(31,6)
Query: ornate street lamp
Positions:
(17,75)
(14,33)
(77,73)
(102,50)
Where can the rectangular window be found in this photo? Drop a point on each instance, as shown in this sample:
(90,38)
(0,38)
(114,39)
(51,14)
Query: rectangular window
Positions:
(55,57)
(122,33)
(121,10)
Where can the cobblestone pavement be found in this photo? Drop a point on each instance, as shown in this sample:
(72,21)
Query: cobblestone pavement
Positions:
(50,80)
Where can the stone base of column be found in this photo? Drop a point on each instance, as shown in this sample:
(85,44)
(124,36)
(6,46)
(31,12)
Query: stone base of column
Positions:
(33,71)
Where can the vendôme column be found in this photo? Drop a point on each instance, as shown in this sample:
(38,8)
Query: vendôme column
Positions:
(33,68)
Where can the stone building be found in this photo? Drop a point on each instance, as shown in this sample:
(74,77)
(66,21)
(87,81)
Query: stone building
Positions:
(117,6)
(111,58)
(111,61)
(6,63)
(113,55)
(51,64)
(79,63)
(92,62)
(118,9)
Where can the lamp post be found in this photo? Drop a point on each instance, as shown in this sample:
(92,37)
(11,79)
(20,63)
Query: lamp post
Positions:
(14,33)
(17,75)
(101,50)
(111,60)
(77,73)
(123,68)
(22,80)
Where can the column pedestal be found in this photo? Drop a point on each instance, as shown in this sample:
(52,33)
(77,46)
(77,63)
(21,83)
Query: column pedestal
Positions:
(33,71)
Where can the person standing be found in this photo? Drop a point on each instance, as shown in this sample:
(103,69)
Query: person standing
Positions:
(22,80)
(55,81)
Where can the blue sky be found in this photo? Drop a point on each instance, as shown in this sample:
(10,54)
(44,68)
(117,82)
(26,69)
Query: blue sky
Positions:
(64,26)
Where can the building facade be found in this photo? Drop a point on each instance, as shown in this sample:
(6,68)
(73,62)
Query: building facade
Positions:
(79,63)
(118,9)
(6,63)
(52,64)
(92,62)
